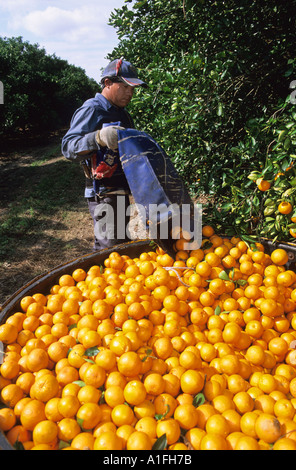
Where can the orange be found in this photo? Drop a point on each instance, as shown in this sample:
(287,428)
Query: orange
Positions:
(268,428)
(278,346)
(20,405)
(231,333)
(148,425)
(255,355)
(18,433)
(45,432)
(243,402)
(8,333)
(254,328)
(88,393)
(247,423)
(207,231)
(26,301)
(91,339)
(9,369)
(190,359)
(285,207)
(279,257)
(120,344)
(222,403)
(68,428)
(108,440)
(94,375)
(284,443)
(264,403)
(134,392)
(138,440)
(115,378)
(144,409)
(267,383)
(68,406)
(32,413)
(37,359)
(113,395)
(55,303)
(212,389)
(247,443)
(45,387)
(51,410)
(57,350)
(217,424)
(79,274)
(83,441)
(66,280)
(263,185)
(154,383)
(269,307)
(163,347)
(292,387)
(122,414)
(165,405)
(104,426)
(230,364)
(171,428)
(129,364)
(67,375)
(11,394)
(283,408)
(233,418)
(213,441)
(194,437)
(236,383)
(186,415)
(208,351)
(7,419)
(192,381)
(89,415)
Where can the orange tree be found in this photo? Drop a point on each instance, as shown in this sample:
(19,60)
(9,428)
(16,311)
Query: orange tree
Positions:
(219,76)
(263,201)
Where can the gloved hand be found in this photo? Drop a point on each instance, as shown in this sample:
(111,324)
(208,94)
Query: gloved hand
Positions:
(107,137)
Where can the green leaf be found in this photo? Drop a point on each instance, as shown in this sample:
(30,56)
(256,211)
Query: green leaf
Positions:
(91,351)
(198,400)
(80,383)
(63,444)
(217,310)
(161,443)
(224,276)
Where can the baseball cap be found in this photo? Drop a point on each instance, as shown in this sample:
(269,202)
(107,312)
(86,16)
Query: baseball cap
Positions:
(124,70)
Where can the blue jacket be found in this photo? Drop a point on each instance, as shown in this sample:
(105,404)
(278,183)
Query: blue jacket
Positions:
(86,121)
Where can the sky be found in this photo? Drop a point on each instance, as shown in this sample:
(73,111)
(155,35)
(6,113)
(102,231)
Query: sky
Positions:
(74,30)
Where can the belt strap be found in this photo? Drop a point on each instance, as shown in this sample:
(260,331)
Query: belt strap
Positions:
(113,191)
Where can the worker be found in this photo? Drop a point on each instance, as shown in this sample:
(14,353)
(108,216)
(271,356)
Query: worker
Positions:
(92,140)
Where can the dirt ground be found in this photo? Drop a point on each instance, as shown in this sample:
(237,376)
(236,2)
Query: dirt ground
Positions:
(44,218)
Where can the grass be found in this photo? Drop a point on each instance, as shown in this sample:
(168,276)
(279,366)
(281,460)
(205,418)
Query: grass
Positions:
(44,219)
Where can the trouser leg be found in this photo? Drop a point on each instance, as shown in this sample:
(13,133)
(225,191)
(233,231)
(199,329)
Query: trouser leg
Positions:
(110,220)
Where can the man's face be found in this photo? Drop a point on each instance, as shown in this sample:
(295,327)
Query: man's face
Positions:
(118,93)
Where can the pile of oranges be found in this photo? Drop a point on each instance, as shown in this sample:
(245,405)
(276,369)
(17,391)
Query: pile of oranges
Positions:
(192,353)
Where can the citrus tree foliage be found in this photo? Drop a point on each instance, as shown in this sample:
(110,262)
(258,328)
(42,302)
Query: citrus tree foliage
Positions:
(219,74)
(40,91)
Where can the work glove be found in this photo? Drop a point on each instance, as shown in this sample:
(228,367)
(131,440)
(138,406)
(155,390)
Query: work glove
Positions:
(107,137)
